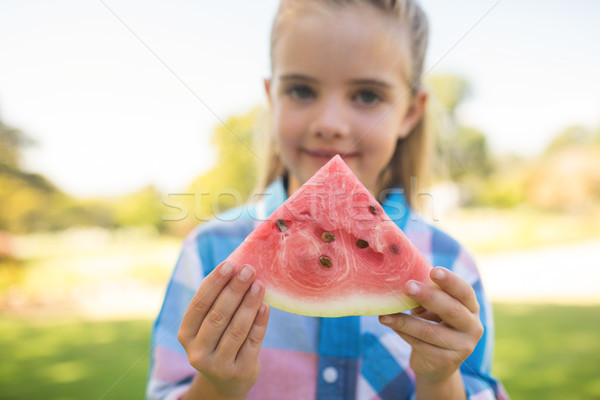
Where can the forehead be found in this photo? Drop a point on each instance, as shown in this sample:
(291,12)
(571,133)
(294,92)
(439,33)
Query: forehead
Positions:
(339,41)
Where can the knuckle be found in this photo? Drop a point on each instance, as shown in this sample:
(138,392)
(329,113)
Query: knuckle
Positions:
(469,297)
(198,359)
(428,333)
(477,307)
(253,341)
(455,310)
(479,330)
(236,333)
(200,303)
(400,322)
(426,293)
(216,317)
(182,338)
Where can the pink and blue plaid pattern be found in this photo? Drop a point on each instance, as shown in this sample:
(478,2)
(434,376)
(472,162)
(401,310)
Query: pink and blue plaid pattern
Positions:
(315,358)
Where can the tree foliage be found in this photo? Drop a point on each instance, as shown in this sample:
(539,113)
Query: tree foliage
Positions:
(142,208)
(461,152)
(573,136)
(24,197)
(12,142)
(450,91)
(233,177)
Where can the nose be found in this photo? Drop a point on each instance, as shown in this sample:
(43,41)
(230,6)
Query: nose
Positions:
(332,118)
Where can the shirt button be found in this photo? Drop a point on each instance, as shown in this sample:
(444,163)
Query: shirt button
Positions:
(330,374)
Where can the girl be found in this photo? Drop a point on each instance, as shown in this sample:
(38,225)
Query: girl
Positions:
(345,79)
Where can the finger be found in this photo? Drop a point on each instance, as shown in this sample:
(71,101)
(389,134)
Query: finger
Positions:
(456,287)
(415,343)
(249,351)
(237,331)
(427,350)
(435,334)
(222,311)
(437,301)
(424,313)
(203,300)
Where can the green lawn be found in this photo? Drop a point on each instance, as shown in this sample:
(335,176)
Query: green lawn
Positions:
(542,352)
(72,359)
(548,351)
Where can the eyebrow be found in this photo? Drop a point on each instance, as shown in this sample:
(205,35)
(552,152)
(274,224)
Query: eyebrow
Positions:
(369,82)
(297,77)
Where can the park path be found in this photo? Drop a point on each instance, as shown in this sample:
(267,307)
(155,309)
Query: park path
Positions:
(568,273)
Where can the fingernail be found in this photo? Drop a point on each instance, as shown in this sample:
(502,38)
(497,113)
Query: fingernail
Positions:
(439,273)
(255,288)
(412,288)
(246,273)
(263,308)
(226,269)
(385,319)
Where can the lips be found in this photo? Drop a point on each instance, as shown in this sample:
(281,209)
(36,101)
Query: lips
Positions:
(326,153)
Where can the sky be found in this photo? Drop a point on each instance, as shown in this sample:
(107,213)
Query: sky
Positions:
(122,94)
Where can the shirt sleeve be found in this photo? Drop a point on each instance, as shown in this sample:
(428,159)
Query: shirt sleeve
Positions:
(170,373)
(476,370)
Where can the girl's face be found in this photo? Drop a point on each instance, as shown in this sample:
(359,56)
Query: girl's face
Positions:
(338,87)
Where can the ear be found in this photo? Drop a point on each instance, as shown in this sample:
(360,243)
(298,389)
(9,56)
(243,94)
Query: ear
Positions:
(415,112)
(267,83)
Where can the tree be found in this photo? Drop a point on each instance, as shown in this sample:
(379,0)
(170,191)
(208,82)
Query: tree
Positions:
(449,91)
(23,196)
(142,208)
(12,142)
(460,151)
(231,180)
(573,136)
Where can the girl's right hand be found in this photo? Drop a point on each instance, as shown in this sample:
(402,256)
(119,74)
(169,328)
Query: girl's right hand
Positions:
(223,329)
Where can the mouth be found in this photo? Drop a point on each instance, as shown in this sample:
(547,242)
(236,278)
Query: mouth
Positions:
(328,154)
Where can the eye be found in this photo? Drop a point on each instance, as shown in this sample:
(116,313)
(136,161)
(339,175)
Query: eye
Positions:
(367,97)
(300,92)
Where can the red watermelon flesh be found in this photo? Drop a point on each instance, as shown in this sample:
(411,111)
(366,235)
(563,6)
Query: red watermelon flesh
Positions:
(330,250)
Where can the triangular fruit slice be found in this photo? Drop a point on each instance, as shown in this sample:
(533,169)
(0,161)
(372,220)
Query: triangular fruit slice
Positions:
(330,250)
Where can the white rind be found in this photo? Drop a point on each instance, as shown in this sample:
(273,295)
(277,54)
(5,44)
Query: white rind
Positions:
(354,305)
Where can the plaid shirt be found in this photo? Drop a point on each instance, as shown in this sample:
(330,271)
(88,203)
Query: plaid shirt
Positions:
(307,357)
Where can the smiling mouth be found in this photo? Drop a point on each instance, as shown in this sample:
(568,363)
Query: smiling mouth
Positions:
(328,153)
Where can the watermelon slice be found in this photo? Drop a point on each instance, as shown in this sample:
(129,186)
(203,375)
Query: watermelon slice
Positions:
(330,250)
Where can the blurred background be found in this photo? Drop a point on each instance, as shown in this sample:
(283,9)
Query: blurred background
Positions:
(122,123)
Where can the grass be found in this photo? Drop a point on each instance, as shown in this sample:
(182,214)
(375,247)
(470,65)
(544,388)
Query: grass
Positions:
(65,359)
(548,351)
(542,352)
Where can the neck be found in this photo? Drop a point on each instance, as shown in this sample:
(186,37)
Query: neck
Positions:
(293,184)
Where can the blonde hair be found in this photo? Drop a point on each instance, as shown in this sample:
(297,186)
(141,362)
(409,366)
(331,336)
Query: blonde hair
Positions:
(410,159)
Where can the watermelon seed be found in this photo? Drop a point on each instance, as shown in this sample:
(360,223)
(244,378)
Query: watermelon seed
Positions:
(362,243)
(328,236)
(281,225)
(394,248)
(373,210)
(325,261)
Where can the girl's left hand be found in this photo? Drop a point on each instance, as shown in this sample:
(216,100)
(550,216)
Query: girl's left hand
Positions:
(444,330)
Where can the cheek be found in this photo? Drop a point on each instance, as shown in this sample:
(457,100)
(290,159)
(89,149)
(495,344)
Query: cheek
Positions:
(382,136)
(288,127)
